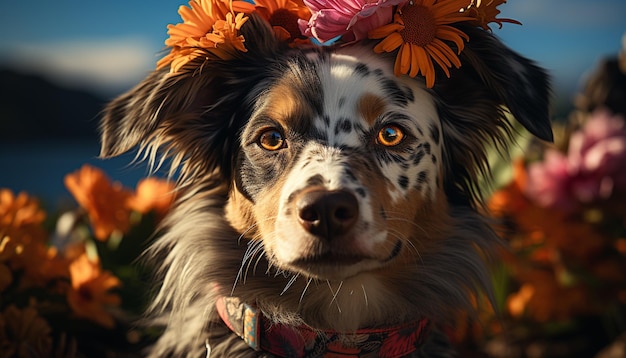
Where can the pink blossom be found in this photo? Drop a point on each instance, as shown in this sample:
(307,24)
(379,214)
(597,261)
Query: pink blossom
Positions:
(351,19)
(547,180)
(594,168)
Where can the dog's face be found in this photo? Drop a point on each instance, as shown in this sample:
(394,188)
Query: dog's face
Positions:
(337,159)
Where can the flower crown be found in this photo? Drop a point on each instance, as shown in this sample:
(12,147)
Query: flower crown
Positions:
(419,31)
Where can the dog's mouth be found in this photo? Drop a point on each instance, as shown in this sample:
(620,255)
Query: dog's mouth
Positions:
(333,265)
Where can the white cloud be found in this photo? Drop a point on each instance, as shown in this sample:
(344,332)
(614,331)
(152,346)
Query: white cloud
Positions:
(103,65)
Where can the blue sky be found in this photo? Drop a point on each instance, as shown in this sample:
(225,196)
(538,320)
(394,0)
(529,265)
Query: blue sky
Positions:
(110,45)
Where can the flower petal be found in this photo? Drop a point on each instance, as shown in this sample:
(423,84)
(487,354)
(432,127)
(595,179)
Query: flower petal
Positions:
(386,30)
(390,43)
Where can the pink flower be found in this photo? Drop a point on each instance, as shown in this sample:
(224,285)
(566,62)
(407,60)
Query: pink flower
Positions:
(592,170)
(547,181)
(351,19)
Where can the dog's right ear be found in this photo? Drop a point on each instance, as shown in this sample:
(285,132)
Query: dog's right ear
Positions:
(130,118)
(191,116)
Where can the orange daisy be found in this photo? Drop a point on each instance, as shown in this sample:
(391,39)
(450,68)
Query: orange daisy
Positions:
(208,25)
(90,292)
(153,194)
(21,229)
(419,30)
(485,12)
(283,15)
(105,202)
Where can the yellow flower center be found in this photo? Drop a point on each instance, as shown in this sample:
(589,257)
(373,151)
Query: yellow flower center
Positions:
(420,27)
(287,20)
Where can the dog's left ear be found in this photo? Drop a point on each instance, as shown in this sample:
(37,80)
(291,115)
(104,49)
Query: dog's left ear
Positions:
(472,105)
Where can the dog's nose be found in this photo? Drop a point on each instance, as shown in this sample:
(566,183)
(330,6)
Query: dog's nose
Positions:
(327,214)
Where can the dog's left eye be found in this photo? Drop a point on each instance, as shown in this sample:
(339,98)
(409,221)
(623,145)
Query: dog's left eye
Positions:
(271,139)
(390,135)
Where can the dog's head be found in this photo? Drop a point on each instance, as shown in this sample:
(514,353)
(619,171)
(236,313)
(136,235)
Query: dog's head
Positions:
(331,166)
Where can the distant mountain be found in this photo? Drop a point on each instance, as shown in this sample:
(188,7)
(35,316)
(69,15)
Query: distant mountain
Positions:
(32,107)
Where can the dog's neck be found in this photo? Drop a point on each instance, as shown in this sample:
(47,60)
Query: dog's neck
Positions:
(283,340)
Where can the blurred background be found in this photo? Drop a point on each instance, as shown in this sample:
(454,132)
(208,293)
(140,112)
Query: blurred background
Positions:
(560,287)
(61,61)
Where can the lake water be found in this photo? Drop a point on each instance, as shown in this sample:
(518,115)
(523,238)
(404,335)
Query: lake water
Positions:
(39,167)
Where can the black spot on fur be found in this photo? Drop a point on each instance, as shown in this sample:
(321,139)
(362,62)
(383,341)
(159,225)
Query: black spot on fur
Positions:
(326,120)
(427,147)
(319,135)
(422,177)
(395,93)
(433,158)
(419,155)
(361,192)
(350,174)
(409,94)
(341,102)
(403,181)
(434,133)
(362,69)
(343,125)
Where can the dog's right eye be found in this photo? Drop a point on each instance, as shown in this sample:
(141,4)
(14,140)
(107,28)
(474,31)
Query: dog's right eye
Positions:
(271,139)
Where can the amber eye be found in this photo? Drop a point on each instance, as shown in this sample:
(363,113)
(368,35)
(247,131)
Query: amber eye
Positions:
(390,135)
(271,139)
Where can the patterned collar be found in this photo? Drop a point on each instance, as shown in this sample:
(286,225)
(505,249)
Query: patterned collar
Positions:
(287,341)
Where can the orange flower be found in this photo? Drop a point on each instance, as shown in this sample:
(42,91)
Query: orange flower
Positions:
(485,12)
(516,303)
(542,298)
(23,333)
(283,15)
(511,199)
(419,30)
(104,201)
(534,225)
(153,194)
(89,294)
(19,211)
(208,25)
(22,235)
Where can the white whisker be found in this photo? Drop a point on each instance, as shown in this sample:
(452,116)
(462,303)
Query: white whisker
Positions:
(335,293)
(290,283)
(254,247)
(305,288)
(365,295)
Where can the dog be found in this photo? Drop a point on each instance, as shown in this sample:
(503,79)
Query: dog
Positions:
(325,205)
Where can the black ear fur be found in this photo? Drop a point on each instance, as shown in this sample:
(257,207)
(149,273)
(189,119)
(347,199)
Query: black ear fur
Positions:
(129,119)
(519,83)
(470,105)
(192,116)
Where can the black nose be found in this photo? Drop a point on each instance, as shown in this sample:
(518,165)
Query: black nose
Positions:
(327,214)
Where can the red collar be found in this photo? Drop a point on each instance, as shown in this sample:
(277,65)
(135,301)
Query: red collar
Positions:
(288,341)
